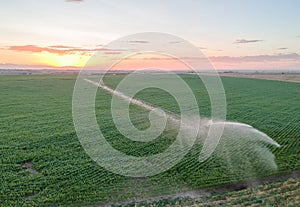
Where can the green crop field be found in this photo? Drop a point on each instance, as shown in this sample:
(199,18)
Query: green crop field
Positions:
(43,163)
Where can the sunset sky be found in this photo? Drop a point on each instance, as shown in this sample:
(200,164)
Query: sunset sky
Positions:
(233,34)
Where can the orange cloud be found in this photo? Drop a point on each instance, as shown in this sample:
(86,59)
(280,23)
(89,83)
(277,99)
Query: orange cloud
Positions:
(62,47)
(112,52)
(55,49)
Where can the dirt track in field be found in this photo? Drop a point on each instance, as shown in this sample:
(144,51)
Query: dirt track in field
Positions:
(205,192)
(287,77)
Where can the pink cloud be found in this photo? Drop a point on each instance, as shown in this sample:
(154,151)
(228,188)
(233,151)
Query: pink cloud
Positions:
(55,49)
(62,47)
(11,66)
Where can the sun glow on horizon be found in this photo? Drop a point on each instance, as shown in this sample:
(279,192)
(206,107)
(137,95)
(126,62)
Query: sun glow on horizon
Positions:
(72,60)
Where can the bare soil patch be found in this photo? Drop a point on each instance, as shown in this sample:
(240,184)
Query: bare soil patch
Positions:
(30,167)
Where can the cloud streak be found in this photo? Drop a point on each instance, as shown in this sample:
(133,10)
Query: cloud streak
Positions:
(26,66)
(76,1)
(55,49)
(139,41)
(60,49)
(112,52)
(257,58)
(283,48)
(245,41)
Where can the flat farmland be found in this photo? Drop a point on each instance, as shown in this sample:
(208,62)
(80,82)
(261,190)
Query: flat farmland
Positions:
(288,77)
(43,163)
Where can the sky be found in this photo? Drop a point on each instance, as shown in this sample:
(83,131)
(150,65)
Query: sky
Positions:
(232,34)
